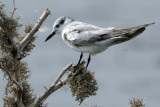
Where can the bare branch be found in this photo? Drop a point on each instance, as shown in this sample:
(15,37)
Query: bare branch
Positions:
(28,37)
(54,87)
(61,74)
(14,9)
(58,85)
(45,87)
(14,81)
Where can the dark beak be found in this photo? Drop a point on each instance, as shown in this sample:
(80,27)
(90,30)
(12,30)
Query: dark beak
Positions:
(52,34)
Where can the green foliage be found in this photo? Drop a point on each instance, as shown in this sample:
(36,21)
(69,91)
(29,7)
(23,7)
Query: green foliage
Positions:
(83,84)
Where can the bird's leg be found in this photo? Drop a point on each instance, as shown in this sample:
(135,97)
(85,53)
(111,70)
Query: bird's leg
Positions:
(80,59)
(89,58)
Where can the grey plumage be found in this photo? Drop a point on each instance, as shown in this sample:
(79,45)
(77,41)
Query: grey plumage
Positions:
(117,35)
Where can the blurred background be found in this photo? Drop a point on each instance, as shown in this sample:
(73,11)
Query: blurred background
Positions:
(124,71)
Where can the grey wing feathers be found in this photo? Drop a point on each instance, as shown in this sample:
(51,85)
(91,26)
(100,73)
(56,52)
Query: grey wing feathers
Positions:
(91,40)
(122,35)
(116,35)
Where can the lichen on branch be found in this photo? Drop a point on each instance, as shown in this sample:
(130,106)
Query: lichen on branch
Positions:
(82,84)
(28,48)
(9,64)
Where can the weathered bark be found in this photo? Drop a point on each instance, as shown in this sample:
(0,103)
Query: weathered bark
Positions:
(54,86)
(58,83)
(28,37)
(23,43)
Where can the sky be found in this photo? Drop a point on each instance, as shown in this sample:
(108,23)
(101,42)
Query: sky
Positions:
(124,71)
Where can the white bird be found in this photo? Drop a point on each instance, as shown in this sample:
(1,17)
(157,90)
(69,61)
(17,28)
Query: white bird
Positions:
(87,38)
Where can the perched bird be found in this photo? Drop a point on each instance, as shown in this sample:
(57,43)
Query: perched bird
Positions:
(87,38)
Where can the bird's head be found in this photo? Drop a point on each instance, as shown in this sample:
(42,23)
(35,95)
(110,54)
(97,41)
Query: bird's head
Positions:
(59,25)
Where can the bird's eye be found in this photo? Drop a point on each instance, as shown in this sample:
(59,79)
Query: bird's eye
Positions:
(57,26)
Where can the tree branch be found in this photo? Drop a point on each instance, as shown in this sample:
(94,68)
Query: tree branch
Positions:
(20,47)
(14,81)
(54,86)
(28,37)
(14,9)
(61,74)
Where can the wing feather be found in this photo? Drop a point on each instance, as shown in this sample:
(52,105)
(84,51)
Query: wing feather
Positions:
(79,33)
(82,34)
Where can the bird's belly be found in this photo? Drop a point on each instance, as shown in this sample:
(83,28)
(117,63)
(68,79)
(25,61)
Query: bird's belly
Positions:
(91,49)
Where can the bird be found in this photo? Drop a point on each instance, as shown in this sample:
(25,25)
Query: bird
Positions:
(91,39)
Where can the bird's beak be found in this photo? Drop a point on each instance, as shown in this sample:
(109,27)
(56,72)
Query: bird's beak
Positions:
(52,34)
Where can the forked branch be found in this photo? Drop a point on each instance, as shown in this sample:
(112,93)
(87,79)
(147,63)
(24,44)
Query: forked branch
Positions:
(61,74)
(14,9)
(14,81)
(28,37)
(54,86)
(58,84)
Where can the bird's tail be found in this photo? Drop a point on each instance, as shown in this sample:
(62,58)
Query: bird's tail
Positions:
(122,35)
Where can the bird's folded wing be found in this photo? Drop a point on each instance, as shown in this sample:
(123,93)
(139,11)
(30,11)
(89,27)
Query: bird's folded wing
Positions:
(87,37)
(90,37)
(115,35)
(83,37)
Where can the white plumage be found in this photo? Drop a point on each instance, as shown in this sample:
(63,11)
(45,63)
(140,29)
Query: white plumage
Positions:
(87,38)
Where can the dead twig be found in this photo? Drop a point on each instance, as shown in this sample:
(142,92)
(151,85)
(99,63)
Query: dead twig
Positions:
(61,74)
(28,37)
(14,9)
(54,86)
(14,81)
